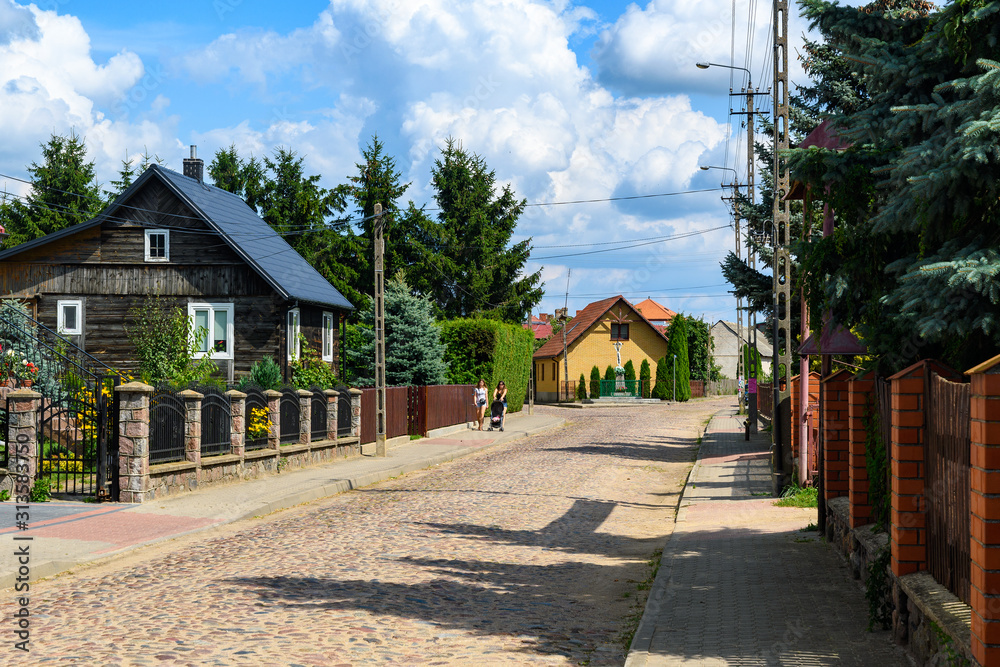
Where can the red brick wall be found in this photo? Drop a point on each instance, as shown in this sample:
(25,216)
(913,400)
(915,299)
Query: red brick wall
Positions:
(860,391)
(985,459)
(835,430)
(909,511)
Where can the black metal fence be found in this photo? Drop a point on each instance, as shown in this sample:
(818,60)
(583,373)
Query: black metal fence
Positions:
(216,422)
(288,412)
(78,420)
(344,429)
(166,426)
(256,419)
(317,414)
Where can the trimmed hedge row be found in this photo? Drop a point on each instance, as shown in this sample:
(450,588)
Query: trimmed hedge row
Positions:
(482,348)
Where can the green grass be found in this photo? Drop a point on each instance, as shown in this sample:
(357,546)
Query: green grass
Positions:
(797,496)
(631,622)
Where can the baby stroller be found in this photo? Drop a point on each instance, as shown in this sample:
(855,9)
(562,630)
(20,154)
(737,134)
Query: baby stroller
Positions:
(496,415)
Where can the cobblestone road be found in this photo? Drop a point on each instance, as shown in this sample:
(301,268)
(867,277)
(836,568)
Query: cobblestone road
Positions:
(529,553)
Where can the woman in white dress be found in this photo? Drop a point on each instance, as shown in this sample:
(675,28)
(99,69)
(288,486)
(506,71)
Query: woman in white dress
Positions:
(479,400)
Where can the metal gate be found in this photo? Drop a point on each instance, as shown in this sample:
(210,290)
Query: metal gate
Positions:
(288,412)
(77,429)
(947,490)
(345,428)
(317,414)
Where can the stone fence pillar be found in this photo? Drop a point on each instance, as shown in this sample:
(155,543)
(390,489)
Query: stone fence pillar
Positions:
(22,440)
(133,441)
(355,412)
(332,398)
(274,414)
(305,416)
(860,397)
(237,428)
(192,425)
(985,505)
(835,442)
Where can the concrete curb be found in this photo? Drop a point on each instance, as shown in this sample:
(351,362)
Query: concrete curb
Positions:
(52,568)
(659,593)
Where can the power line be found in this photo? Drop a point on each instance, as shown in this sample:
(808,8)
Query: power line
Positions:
(670,238)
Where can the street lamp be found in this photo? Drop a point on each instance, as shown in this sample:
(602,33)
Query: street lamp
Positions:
(704,65)
(735,184)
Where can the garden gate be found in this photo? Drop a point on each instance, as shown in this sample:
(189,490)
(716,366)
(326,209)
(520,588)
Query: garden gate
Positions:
(78,413)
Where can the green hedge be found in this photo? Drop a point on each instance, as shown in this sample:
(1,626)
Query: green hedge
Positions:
(490,349)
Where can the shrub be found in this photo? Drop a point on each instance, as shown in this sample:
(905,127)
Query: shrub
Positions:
(644,378)
(661,390)
(309,369)
(165,341)
(629,371)
(483,348)
(42,490)
(609,373)
(581,388)
(595,382)
(265,374)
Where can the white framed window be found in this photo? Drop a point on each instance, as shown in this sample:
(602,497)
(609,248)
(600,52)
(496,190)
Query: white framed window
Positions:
(292,339)
(328,333)
(213,326)
(70,317)
(157,245)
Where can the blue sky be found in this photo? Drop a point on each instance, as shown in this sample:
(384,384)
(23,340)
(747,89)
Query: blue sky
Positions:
(566,101)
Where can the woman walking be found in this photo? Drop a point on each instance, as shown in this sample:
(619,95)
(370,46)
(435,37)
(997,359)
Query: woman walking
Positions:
(501,395)
(479,400)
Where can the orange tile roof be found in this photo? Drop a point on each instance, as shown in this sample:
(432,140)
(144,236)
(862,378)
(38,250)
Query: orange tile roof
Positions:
(582,322)
(652,310)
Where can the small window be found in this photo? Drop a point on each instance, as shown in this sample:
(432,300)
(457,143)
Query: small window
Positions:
(327,336)
(213,325)
(542,366)
(157,245)
(293,334)
(619,331)
(70,317)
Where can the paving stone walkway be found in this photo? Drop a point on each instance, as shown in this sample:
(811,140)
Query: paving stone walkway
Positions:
(528,553)
(742,584)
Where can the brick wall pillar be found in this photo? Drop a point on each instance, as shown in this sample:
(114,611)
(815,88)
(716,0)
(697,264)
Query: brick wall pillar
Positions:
(133,441)
(192,425)
(908,538)
(860,398)
(22,440)
(355,412)
(332,398)
(274,414)
(305,416)
(237,429)
(835,444)
(985,505)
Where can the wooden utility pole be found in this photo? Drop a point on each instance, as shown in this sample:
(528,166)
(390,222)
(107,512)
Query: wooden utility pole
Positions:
(380,449)
(782,360)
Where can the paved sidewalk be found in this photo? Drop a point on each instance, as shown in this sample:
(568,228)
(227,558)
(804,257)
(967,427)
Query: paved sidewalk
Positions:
(67,534)
(741,583)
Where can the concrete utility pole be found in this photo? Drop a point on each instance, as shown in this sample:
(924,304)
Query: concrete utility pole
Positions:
(565,316)
(752,260)
(380,449)
(675,378)
(782,360)
(531,371)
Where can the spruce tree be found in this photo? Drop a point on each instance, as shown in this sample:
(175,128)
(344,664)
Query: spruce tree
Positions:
(414,353)
(644,378)
(595,382)
(63,192)
(581,388)
(463,259)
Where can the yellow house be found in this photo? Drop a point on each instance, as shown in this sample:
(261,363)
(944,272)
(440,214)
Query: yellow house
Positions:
(591,339)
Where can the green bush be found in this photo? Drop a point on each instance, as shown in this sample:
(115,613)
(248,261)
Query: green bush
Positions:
(581,388)
(629,371)
(677,345)
(609,373)
(165,341)
(309,370)
(42,490)
(595,382)
(265,374)
(644,378)
(477,347)
(661,389)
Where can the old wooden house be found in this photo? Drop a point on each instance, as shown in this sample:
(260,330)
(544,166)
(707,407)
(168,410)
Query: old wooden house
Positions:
(195,246)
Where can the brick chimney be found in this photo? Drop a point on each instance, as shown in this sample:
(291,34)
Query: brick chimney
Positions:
(194,166)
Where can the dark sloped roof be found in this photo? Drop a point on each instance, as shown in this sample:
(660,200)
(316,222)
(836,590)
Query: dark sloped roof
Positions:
(582,322)
(247,234)
(253,239)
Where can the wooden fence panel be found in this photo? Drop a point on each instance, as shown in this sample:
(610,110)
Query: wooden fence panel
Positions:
(447,405)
